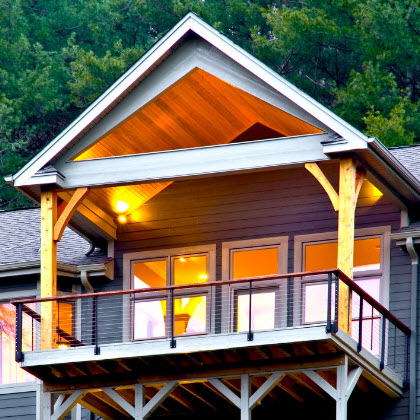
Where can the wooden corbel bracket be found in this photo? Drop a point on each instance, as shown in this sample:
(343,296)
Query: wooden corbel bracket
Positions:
(68,211)
(316,171)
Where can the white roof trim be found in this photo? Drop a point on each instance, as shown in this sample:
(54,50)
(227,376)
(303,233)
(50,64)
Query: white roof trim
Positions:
(209,34)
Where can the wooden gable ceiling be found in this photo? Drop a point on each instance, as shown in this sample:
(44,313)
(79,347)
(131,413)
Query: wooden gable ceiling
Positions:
(199,110)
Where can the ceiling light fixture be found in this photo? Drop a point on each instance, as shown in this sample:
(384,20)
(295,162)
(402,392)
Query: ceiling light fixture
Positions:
(121,206)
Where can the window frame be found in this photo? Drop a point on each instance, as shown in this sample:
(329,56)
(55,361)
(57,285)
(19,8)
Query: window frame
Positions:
(230,293)
(167,254)
(300,241)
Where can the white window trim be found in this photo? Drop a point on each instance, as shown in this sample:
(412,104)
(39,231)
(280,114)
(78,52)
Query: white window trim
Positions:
(282,242)
(130,257)
(383,231)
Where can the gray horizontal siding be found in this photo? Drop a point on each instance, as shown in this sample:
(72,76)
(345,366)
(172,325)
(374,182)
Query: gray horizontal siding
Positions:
(20,405)
(274,203)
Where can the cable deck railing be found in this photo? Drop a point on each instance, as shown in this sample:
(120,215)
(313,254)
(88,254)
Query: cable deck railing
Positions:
(246,305)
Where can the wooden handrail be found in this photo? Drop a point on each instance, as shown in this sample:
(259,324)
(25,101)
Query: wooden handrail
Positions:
(343,277)
(374,303)
(176,287)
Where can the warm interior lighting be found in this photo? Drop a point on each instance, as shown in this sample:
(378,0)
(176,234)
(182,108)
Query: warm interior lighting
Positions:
(122,219)
(255,262)
(203,276)
(182,259)
(323,256)
(62,345)
(376,192)
(121,206)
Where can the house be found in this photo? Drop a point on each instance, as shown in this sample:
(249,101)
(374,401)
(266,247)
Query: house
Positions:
(256,253)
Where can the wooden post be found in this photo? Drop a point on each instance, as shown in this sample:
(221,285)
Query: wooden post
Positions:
(46,399)
(341,399)
(138,402)
(48,267)
(346,216)
(245,394)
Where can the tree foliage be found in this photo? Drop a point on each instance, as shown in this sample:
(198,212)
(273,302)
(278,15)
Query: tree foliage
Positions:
(359,58)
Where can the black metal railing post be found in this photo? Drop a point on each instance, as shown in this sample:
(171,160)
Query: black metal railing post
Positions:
(95,325)
(329,303)
(290,304)
(337,295)
(383,342)
(406,361)
(359,343)
(19,354)
(32,333)
(172,309)
(250,336)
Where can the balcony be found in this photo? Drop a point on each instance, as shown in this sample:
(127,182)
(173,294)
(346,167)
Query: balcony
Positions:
(252,321)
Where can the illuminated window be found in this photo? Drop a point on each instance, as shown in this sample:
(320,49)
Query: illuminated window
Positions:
(65,324)
(254,259)
(367,272)
(323,256)
(255,262)
(10,372)
(152,316)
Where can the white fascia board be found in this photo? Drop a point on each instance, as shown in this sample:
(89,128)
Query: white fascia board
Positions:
(190,22)
(48,179)
(185,344)
(195,162)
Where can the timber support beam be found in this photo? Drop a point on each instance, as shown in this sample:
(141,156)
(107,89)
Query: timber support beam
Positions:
(346,382)
(344,202)
(110,401)
(52,229)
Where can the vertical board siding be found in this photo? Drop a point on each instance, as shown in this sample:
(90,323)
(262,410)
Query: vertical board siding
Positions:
(258,205)
(19,405)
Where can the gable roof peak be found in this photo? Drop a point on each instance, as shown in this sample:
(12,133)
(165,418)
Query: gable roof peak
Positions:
(154,56)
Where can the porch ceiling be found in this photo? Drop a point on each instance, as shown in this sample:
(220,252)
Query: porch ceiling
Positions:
(199,110)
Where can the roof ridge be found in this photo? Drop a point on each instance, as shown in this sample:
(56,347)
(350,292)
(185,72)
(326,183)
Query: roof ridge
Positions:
(19,209)
(407,146)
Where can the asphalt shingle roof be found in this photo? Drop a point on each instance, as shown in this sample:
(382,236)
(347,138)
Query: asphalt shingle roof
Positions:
(20,241)
(409,156)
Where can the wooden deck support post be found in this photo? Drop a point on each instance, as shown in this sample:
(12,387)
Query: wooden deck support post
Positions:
(350,183)
(341,399)
(48,267)
(346,215)
(245,395)
(139,402)
(52,229)
(47,406)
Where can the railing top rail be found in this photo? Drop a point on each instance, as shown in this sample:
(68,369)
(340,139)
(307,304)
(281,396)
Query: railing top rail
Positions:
(375,304)
(177,287)
(347,280)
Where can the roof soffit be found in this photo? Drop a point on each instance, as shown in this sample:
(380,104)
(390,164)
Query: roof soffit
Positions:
(194,60)
(259,81)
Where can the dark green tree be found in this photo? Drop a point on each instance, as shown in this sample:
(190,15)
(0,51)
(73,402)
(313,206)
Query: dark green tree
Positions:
(359,58)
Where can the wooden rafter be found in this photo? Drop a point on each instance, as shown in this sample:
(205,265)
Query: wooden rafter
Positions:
(191,388)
